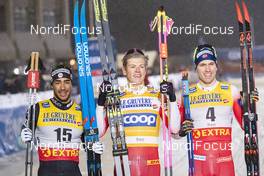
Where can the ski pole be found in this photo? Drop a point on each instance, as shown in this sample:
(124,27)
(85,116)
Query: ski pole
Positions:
(32,85)
(164,24)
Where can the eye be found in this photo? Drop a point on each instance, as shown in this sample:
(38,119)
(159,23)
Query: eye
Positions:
(68,82)
(56,82)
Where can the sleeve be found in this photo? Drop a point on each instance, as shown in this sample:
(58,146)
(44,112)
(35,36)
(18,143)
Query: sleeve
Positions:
(237,105)
(29,116)
(181,109)
(174,117)
(102,121)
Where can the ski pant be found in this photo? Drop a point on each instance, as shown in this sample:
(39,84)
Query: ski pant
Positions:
(213,159)
(59,168)
(144,161)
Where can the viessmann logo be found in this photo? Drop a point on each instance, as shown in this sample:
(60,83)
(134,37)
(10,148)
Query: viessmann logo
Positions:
(141,119)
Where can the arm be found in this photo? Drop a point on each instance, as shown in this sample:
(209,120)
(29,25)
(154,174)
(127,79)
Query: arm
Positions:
(237,105)
(102,121)
(26,129)
(175,117)
(29,119)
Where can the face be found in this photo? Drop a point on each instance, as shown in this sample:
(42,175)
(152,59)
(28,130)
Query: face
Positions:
(206,71)
(62,89)
(135,71)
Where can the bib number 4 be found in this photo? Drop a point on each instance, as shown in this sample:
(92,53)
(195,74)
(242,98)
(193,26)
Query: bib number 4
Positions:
(211,114)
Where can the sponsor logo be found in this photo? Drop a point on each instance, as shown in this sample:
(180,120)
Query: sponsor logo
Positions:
(200,157)
(155,106)
(142,119)
(204,56)
(192,90)
(226,101)
(211,132)
(45,105)
(59,117)
(60,75)
(206,98)
(153,162)
(224,87)
(136,102)
(224,159)
(78,108)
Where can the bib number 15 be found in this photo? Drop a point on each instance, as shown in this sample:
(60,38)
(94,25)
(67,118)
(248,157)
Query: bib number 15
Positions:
(63,134)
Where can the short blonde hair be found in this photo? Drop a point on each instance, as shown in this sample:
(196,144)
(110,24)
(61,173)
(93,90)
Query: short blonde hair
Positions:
(134,53)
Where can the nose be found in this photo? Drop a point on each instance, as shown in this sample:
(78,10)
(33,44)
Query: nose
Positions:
(62,86)
(137,69)
(207,68)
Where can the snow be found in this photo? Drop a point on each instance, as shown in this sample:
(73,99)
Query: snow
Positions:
(14,164)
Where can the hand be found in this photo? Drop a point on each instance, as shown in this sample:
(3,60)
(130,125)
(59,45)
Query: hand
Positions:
(98,147)
(167,88)
(254,95)
(26,135)
(186,127)
(104,88)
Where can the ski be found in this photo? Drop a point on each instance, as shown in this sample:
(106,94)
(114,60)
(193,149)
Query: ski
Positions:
(32,85)
(164,24)
(187,115)
(109,73)
(248,86)
(86,89)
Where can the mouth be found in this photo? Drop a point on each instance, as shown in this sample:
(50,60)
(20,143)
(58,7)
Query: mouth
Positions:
(137,76)
(63,94)
(208,75)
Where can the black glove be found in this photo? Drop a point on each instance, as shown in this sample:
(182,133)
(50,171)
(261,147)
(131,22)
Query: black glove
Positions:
(254,95)
(167,88)
(186,127)
(105,87)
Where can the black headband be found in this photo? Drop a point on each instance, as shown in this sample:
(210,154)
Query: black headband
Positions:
(61,73)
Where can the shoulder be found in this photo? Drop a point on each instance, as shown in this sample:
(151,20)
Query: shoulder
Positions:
(228,86)
(44,103)
(225,85)
(76,106)
(193,88)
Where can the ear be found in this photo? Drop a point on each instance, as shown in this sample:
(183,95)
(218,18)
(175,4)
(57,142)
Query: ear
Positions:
(124,71)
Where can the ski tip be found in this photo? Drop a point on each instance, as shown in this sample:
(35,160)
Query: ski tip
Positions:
(245,9)
(238,11)
(161,8)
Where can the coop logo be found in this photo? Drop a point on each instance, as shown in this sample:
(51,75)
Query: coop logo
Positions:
(146,119)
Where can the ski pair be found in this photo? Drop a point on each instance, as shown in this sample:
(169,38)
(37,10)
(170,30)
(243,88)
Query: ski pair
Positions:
(109,73)
(187,116)
(32,85)
(86,88)
(250,116)
(163,24)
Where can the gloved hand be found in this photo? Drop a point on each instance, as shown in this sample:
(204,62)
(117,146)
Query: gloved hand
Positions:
(26,135)
(104,88)
(254,95)
(167,88)
(186,127)
(97,147)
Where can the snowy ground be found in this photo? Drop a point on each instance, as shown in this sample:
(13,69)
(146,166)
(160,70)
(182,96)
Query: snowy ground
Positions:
(14,165)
